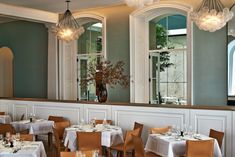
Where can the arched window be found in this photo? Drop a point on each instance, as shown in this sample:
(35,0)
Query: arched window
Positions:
(160,41)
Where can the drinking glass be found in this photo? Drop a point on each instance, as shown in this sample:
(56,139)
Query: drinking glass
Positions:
(17,136)
(1,136)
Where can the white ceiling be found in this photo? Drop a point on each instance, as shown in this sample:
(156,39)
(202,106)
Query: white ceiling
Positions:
(59,6)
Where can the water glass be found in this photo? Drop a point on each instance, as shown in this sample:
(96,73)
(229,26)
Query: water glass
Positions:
(17,136)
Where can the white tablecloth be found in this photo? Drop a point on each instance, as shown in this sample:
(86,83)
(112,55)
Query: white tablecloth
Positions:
(111,135)
(40,126)
(169,146)
(27,149)
(5,119)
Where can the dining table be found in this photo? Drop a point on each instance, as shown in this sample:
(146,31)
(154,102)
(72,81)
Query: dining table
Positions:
(23,149)
(36,127)
(110,134)
(173,145)
(5,119)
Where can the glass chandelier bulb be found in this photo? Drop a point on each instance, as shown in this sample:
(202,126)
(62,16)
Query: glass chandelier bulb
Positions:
(67,28)
(139,3)
(211,17)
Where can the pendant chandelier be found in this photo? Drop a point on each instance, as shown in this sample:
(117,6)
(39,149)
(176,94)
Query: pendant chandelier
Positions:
(211,15)
(138,3)
(68,28)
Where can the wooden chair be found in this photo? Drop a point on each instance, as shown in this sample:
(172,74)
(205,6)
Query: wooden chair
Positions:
(87,141)
(201,148)
(218,136)
(99,121)
(139,148)
(138,126)
(55,119)
(60,127)
(2,113)
(59,145)
(22,117)
(75,154)
(27,137)
(159,130)
(128,143)
(4,128)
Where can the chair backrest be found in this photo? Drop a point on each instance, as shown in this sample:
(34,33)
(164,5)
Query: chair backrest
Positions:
(99,121)
(68,154)
(60,127)
(138,146)
(89,141)
(4,128)
(218,135)
(88,153)
(27,137)
(161,130)
(2,113)
(22,117)
(56,118)
(138,126)
(128,138)
(201,148)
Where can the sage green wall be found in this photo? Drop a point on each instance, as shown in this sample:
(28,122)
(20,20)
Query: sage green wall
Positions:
(29,43)
(210,67)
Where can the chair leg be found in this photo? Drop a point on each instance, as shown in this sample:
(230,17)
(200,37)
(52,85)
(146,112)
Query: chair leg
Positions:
(133,153)
(50,139)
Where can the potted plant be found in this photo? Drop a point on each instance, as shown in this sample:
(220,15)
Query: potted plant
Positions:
(104,73)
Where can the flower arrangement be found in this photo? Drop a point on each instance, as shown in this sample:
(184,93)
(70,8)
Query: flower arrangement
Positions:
(104,72)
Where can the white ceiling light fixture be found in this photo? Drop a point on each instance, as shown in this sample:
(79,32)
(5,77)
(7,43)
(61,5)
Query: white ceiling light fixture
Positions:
(139,3)
(211,15)
(68,28)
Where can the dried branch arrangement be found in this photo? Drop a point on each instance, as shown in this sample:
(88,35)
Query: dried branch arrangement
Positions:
(107,73)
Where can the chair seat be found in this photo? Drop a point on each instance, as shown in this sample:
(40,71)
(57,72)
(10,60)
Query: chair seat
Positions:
(150,154)
(120,147)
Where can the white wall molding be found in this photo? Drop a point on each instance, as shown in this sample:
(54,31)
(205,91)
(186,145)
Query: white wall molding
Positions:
(125,116)
(28,13)
(203,120)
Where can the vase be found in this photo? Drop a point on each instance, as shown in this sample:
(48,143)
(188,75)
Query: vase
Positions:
(101,93)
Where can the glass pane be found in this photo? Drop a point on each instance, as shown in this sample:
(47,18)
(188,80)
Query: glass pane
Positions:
(168,36)
(91,40)
(167,32)
(87,92)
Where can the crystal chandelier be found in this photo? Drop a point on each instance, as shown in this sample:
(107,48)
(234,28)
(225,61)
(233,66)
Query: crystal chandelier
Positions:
(138,3)
(211,15)
(68,28)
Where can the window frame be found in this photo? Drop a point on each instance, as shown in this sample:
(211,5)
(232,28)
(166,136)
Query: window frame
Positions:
(139,47)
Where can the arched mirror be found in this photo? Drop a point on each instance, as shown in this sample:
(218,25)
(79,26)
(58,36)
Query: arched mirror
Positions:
(90,48)
(231,60)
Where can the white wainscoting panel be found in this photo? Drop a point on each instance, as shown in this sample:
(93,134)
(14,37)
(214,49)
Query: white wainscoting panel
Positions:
(4,106)
(125,116)
(203,120)
(71,111)
(97,112)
